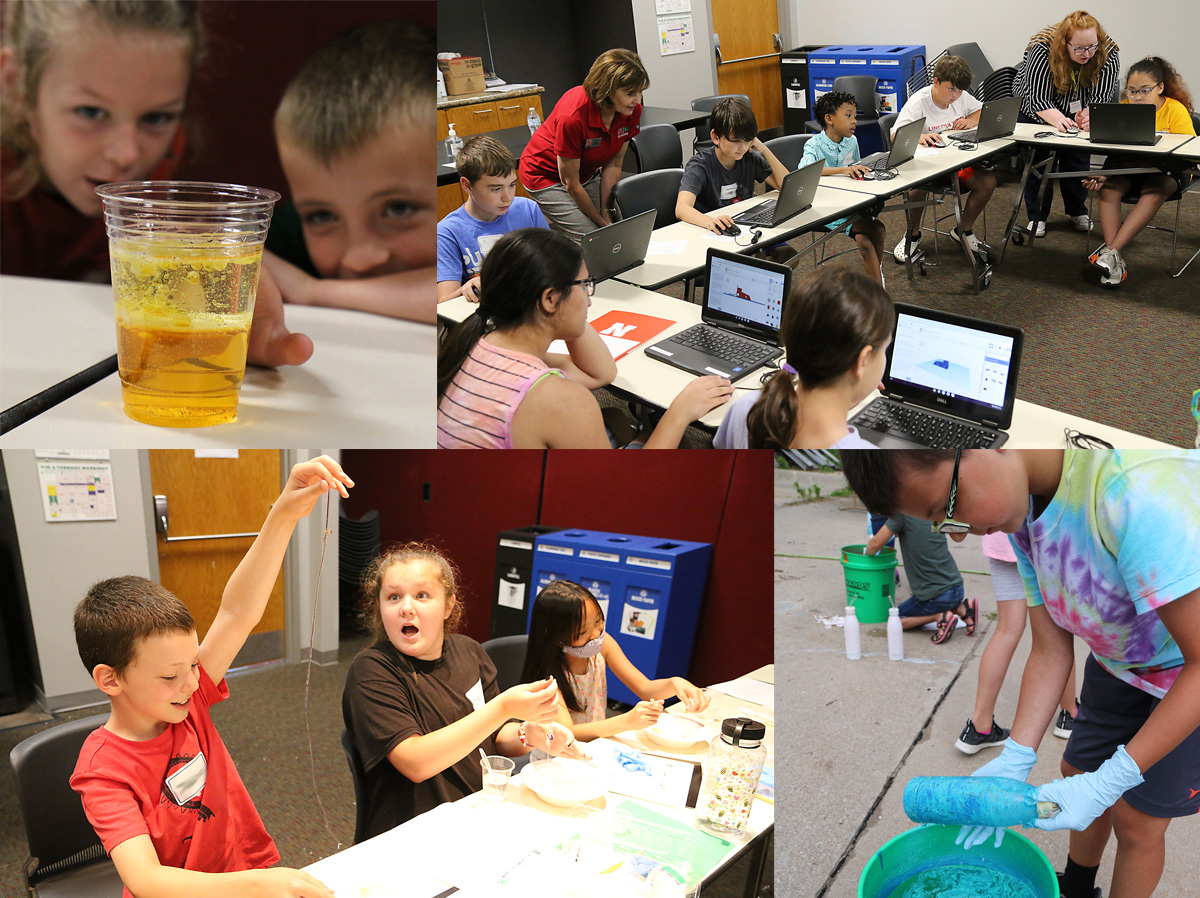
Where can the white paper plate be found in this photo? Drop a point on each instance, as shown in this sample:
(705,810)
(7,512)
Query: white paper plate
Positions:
(678,732)
(564,782)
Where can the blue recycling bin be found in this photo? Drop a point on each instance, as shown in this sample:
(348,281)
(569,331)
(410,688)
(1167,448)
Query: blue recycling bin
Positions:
(649,588)
(891,64)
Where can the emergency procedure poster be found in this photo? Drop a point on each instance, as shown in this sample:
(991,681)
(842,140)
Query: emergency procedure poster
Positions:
(77,490)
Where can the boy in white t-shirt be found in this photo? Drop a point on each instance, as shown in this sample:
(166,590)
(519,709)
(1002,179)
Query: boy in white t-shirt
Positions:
(947,106)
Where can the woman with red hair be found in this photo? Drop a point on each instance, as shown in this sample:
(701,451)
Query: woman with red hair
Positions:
(1066,68)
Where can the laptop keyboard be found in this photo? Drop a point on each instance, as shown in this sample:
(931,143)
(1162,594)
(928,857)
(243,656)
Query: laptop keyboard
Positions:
(933,431)
(738,351)
(763,216)
(966,136)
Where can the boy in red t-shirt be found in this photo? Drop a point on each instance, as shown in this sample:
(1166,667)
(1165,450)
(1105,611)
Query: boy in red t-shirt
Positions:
(156,780)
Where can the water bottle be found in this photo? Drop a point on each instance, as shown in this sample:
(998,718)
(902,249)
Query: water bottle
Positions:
(895,633)
(454,143)
(534,120)
(974,800)
(731,773)
(853,640)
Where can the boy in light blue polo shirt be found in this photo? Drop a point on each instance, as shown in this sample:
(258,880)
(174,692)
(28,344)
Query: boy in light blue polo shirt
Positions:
(488,173)
(838,148)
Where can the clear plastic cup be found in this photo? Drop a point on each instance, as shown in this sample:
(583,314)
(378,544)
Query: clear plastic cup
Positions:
(185,261)
(497,771)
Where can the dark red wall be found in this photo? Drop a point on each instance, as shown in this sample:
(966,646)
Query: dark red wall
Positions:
(723,498)
(255,47)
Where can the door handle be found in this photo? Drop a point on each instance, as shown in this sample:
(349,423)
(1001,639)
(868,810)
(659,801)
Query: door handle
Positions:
(161,524)
(776,40)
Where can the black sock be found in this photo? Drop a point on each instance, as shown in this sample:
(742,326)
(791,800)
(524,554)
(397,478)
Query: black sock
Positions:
(1078,881)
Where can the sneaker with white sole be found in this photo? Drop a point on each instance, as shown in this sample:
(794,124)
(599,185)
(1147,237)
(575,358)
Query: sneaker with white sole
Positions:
(898,253)
(1116,274)
(1081,222)
(1101,259)
(1040,231)
(1064,725)
(971,740)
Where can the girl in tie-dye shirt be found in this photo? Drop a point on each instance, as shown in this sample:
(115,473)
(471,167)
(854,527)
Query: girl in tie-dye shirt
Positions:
(1108,545)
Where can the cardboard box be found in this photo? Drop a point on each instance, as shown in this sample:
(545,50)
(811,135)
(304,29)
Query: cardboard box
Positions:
(463,75)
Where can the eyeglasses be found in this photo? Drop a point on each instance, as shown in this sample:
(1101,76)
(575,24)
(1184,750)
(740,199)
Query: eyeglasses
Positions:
(588,284)
(1138,91)
(1090,48)
(949,525)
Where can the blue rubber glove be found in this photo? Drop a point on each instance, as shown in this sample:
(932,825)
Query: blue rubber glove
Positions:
(1086,796)
(1015,762)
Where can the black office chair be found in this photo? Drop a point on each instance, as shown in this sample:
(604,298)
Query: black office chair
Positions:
(788,149)
(358,775)
(706,104)
(863,88)
(886,123)
(508,654)
(358,544)
(657,190)
(998,85)
(66,859)
(657,146)
(971,52)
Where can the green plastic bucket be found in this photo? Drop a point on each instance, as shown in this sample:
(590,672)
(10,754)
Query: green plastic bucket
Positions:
(929,847)
(870,582)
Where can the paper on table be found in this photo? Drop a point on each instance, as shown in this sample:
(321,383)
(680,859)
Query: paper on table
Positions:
(749,690)
(666,247)
(367,872)
(926,151)
(666,781)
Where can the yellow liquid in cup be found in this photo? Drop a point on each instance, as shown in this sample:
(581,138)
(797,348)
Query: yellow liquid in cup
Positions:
(183,309)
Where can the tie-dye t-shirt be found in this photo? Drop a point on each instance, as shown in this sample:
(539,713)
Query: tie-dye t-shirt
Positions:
(1120,539)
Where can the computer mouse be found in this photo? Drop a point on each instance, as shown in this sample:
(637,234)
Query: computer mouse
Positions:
(937,141)
(731,231)
(1070,129)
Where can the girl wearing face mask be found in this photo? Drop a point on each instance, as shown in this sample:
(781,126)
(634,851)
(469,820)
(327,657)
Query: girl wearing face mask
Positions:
(567,641)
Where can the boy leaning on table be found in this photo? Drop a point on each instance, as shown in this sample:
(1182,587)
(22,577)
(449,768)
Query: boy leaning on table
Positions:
(355,131)
(946,105)
(157,782)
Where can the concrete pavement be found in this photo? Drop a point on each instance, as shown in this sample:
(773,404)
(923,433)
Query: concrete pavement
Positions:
(850,734)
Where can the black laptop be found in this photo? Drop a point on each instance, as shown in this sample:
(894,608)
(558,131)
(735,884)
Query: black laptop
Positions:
(743,305)
(904,147)
(997,118)
(796,194)
(1126,123)
(611,250)
(950,381)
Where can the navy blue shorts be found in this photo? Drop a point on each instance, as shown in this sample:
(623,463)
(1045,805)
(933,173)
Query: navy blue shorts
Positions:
(1110,713)
(943,601)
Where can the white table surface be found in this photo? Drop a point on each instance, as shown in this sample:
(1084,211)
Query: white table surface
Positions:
(1025,132)
(1038,427)
(637,374)
(659,269)
(930,163)
(371,381)
(431,843)
(1189,151)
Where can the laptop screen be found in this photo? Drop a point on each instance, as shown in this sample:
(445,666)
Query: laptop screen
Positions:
(745,291)
(966,366)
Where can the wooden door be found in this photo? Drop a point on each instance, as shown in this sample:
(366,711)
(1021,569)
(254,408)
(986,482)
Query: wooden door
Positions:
(215,496)
(746,28)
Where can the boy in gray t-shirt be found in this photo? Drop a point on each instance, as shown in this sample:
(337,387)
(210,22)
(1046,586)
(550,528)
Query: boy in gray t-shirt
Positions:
(726,172)
(933,577)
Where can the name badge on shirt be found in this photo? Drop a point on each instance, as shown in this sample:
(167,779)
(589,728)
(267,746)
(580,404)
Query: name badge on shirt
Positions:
(728,191)
(1075,106)
(486,242)
(188,781)
(622,133)
(475,694)
(592,143)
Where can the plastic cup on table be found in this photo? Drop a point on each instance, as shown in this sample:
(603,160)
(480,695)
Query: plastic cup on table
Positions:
(497,771)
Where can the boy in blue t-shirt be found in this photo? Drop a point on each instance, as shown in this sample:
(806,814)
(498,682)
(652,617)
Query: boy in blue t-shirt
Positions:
(488,173)
(1108,545)
(726,172)
(838,148)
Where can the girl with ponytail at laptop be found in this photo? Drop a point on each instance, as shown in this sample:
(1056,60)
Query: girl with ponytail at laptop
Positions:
(837,324)
(1150,80)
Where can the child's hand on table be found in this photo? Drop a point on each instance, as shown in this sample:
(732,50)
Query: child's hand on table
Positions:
(307,482)
(536,703)
(694,698)
(645,714)
(555,740)
(271,343)
(283,882)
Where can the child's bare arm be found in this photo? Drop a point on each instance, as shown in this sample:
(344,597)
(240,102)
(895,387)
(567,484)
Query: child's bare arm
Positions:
(876,542)
(137,863)
(246,593)
(778,170)
(411,295)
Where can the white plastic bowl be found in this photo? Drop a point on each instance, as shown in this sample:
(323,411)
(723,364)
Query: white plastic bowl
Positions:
(564,782)
(678,732)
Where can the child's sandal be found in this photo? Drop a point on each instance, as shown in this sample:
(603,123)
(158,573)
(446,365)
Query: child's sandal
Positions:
(972,606)
(945,627)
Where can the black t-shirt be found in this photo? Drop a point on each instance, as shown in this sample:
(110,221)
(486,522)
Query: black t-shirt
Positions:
(715,186)
(389,697)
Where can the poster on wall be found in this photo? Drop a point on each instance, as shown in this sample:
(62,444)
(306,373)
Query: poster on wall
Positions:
(668,7)
(676,35)
(77,491)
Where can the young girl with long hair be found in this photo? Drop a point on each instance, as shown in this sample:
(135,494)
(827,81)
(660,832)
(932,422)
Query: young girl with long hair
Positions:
(1151,80)
(499,386)
(837,324)
(422,699)
(567,641)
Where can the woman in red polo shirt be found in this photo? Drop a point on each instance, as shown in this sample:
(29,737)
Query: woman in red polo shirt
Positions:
(573,160)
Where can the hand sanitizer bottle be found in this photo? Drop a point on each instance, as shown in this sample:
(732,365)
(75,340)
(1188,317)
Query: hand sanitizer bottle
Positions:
(454,143)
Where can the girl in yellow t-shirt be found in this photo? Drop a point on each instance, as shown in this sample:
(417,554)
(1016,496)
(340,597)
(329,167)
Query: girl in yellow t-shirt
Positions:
(1150,80)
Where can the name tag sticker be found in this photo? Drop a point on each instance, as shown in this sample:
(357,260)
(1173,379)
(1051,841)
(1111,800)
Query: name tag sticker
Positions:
(188,781)
(475,694)
(1075,106)
(487,241)
(728,191)
(592,143)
